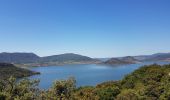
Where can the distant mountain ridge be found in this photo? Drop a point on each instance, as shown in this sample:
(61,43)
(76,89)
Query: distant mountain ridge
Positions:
(137,59)
(18,57)
(154,57)
(66,57)
(34,60)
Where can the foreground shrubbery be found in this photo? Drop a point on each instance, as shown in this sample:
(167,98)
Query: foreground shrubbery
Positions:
(147,83)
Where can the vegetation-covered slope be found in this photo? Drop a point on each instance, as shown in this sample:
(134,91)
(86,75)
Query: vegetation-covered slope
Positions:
(123,60)
(30,59)
(66,57)
(154,57)
(18,57)
(7,70)
(147,83)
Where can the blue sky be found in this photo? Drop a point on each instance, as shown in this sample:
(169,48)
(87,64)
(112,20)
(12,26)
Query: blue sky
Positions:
(96,28)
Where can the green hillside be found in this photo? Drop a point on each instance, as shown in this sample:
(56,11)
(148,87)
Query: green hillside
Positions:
(7,70)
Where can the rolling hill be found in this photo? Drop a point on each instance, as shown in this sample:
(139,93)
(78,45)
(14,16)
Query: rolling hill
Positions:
(66,57)
(31,59)
(18,57)
(136,59)
(154,57)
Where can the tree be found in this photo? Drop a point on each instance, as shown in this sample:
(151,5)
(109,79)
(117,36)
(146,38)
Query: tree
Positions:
(61,90)
(23,90)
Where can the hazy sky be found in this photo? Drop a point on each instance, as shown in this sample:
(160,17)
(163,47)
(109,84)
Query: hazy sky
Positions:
(96,28)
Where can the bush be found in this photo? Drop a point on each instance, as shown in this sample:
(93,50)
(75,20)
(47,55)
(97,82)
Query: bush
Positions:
(108,93)
(62,90)
(128,94)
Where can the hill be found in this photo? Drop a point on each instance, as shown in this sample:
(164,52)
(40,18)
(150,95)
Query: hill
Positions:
(66,57)
(7,70)
(154,57)
(18,57)
(158,57)
(31,59)
(123,60)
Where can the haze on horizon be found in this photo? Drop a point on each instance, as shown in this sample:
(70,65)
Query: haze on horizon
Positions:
(95,28)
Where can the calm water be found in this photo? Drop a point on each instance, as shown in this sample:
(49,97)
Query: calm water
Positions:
(90,74)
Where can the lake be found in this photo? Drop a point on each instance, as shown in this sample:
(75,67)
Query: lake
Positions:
(85,75)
